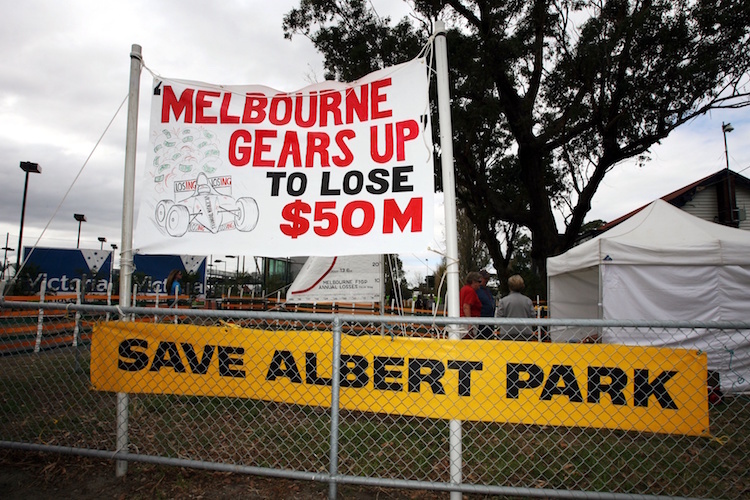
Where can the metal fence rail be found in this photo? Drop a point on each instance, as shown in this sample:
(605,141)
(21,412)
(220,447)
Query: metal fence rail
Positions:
(48,403)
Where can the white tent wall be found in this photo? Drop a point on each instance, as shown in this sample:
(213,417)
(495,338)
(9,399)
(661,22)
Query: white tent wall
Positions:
(662,264)
(576,295)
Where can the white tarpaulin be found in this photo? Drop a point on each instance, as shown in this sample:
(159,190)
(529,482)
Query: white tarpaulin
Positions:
(662,264)
(354,278)
(332,169)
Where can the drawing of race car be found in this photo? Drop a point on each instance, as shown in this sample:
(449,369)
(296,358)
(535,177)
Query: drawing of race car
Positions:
(206,209)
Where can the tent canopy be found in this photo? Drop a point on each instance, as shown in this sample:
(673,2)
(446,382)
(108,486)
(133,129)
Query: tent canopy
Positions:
(662,264)
(660,233)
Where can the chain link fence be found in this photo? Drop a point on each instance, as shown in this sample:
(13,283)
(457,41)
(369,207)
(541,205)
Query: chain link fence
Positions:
(256,394)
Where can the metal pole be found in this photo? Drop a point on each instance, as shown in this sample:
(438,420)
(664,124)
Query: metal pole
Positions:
(333,465)
(727,127)
(78,241)
(5,256)
(23,214)
(126,241)
(451,232)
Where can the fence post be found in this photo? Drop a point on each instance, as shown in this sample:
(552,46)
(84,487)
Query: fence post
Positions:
(77,327)
(40,318)
(333,465)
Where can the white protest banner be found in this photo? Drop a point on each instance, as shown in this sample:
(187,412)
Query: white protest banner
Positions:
(332,169)
(351,278)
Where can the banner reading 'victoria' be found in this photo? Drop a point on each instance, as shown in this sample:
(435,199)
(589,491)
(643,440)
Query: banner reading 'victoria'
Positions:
(333,169)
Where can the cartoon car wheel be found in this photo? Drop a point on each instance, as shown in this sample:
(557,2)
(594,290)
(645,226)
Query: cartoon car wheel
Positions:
(161,211)
(178,220)
(247,214)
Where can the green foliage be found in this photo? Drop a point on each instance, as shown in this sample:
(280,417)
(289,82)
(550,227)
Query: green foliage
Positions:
(547,97)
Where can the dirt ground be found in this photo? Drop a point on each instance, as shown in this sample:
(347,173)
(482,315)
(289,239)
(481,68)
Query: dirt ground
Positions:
(26,475)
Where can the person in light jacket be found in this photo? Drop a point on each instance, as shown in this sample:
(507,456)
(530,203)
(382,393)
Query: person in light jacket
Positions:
(516,305)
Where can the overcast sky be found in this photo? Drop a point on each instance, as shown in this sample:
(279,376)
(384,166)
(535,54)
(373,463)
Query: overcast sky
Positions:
(64,73)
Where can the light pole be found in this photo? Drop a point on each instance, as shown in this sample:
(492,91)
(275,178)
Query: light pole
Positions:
(726,128)
(102,241)
(5,257)
(237,273)
(80,218)
(29,168)
(219,261)
(112,262)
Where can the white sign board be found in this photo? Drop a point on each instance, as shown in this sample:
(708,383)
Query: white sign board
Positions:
(332,169)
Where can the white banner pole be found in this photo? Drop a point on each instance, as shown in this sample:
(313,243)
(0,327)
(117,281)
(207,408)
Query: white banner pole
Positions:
(126,255)
(451,233)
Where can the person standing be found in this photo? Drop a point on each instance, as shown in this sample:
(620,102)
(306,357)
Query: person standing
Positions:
(468,298)
(516,305)
(488,306)
(173,285)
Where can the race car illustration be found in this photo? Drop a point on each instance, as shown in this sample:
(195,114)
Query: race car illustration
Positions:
(205,207)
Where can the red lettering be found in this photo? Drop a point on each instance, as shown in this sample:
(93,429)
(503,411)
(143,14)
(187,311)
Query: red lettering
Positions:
(170,102)
(374,153)
(261,147)
(312,109)
(368,219)
(356,105)
(405,131)
(290,148)
(348,157)
(286,101)
(317,143)
(202,101)
(239,155)
(330,103)
(323,213)
(255,108)
(413,213)
(224,115)
(377,98)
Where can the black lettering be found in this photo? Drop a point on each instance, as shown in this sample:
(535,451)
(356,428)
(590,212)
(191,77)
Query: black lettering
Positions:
(231,362)
(358,181)
(275,181)
(569,388)
(311,370)
(283,365)
(131,360)
(617,378)
(167,355)
(464,374)
(199,367)
(400,177)
(377,177)
(643,389)
(384,379)
(522,376)
(354,366)
(324,189)
(435,371)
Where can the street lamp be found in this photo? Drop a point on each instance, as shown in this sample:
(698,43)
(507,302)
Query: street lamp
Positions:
(238,262)
(102,240)
(29,168)
(219,261)
(726,128)
(5,257)
(112,261)
(80,218)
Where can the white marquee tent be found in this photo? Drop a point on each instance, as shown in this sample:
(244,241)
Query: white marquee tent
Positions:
(661,264)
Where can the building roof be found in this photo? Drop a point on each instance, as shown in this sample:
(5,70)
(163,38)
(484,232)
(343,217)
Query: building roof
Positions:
(683,195)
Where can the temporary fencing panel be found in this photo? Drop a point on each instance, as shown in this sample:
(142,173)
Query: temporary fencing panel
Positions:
(255,392)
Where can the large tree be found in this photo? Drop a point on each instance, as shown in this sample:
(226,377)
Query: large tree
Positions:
(549,95)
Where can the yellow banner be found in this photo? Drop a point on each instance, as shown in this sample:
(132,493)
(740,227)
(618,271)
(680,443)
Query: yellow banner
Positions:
(584,385)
